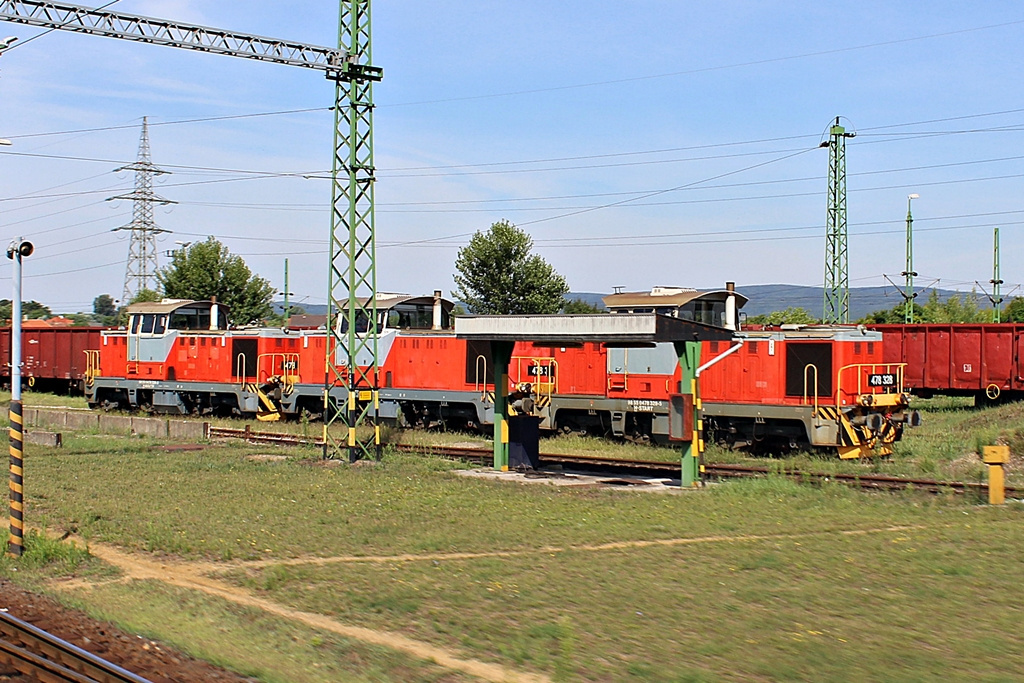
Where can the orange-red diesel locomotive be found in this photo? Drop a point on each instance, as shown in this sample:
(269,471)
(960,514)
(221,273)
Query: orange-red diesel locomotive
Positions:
(774,389)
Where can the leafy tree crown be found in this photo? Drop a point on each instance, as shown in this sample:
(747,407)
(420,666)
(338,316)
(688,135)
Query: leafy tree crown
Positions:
(207,269)
(497,275)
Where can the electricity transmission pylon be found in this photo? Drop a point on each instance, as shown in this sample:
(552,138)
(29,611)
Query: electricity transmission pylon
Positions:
(140,272)
(837,265)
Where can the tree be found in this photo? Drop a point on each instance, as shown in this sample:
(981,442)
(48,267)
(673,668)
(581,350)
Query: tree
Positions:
(958,308)
(206,270)
(497,275)
(896,314)
(1014,311)
(104,305)
(32,310)
(580,306)
(789,316)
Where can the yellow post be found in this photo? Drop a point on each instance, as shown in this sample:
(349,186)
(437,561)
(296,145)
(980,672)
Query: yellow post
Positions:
(995,457)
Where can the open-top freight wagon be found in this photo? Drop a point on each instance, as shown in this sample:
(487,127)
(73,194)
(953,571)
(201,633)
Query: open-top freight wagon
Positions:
(53,358)
(984,360)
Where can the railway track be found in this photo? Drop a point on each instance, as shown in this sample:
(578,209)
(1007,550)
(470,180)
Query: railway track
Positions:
(654,468)
(41,656)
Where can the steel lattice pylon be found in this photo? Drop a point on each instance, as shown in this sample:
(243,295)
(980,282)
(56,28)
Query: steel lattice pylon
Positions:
(837,271)
(142,264)
(352,278)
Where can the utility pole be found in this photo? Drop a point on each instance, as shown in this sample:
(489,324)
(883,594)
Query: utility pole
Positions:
(908,293)
(997,297)
(287,293)
(352,276)
(837,269)
(140,272)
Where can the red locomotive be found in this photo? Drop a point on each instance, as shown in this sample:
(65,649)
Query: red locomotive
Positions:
(826,387)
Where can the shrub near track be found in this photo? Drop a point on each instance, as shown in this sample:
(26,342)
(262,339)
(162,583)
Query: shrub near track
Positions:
(751,579)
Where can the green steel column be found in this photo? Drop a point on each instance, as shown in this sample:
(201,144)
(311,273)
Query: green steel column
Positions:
(689,361)
(997,297)
(287,295)
(908,294)
(351,351)
(837,270)
(501,356)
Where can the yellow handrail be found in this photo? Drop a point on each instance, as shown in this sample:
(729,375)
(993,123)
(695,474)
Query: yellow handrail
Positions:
(92,365)
(872,369)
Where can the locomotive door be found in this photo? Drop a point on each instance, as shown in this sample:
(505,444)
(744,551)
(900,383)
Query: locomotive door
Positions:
(618,369)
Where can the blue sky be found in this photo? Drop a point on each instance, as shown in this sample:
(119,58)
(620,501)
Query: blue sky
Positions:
(540,113)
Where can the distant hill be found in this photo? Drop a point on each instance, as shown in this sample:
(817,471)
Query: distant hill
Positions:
(863,300)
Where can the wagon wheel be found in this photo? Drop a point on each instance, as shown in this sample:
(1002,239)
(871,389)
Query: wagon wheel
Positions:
(992,391)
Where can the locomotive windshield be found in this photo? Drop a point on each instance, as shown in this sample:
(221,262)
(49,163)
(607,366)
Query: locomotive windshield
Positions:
(415,317)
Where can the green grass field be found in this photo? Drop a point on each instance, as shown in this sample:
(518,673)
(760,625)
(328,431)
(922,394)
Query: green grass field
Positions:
(748,580)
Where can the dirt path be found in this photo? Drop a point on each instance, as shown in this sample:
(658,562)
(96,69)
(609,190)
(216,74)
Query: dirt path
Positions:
(197,576)
(186,576)
(596,547)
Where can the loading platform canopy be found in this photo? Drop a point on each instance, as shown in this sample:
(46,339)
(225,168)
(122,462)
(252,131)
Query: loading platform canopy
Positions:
(625,329)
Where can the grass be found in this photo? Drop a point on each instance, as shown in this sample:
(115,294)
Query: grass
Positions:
(789,597)
(250,641)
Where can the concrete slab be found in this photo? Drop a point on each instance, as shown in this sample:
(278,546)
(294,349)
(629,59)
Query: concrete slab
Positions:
(149,426)
(40,438)
(578,479)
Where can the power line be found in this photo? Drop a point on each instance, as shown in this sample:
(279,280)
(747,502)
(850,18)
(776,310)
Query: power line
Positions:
(205,119)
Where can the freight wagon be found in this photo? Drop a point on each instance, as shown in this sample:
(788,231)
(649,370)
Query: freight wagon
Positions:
(980,360)
(53,359)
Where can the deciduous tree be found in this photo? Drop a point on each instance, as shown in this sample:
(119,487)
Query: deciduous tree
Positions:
(497,275)
(207,269)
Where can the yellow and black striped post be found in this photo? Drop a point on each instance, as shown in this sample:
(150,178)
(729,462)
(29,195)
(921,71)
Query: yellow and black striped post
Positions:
(16,546)
(18,249)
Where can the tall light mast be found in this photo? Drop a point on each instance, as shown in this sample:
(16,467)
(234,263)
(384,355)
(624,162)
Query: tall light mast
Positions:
(837,269)
(908,293)
(997,296)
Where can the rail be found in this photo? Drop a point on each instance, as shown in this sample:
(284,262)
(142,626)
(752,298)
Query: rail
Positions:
(240,369)
(811,366)
(544,377)
(654,467)
(478,385)
(92,365)
(866,370)
(44,657)
(289,369)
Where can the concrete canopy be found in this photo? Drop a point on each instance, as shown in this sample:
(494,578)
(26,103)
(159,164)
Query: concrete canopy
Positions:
(613,330)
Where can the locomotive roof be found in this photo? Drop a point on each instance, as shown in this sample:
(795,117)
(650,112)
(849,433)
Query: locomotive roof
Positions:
(622,329)
(170,305)
(666,296)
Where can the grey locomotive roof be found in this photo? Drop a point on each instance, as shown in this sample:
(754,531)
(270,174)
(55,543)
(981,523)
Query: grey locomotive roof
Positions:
(625,328)
(668,296)
(171,305)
